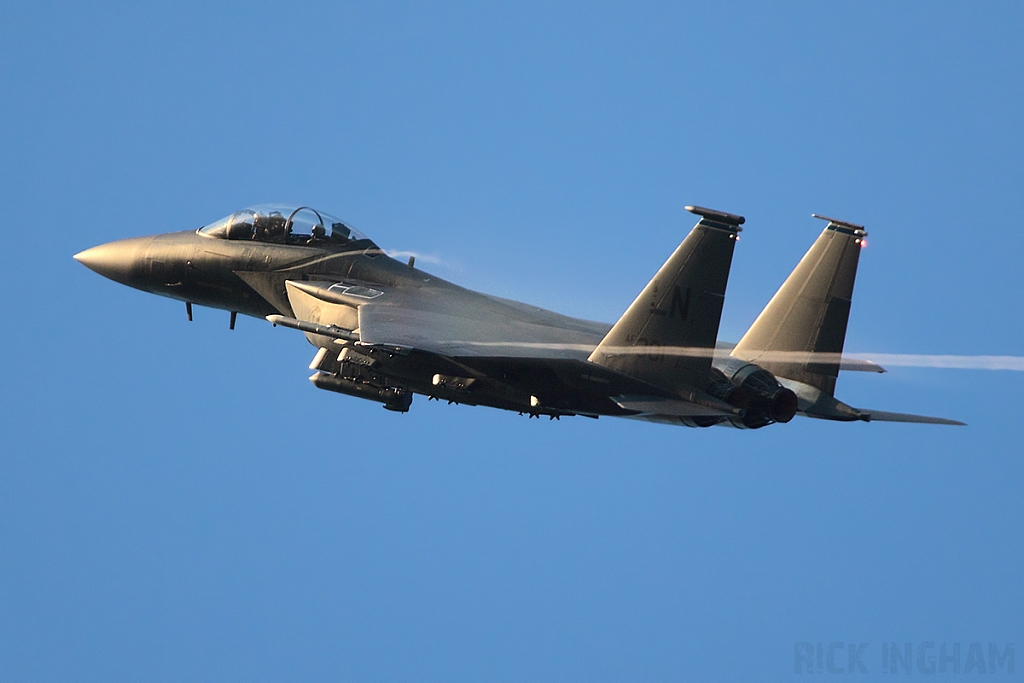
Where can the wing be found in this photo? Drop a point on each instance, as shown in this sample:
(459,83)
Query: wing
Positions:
(470,326)
(467,347)
(444,319)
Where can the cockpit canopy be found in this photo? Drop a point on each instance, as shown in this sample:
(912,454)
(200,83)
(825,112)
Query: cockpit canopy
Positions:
(283,224)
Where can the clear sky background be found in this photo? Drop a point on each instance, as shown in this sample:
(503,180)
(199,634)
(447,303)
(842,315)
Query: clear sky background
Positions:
(178,503)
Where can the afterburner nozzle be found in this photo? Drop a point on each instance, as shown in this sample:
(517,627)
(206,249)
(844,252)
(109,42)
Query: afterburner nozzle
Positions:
(784,405)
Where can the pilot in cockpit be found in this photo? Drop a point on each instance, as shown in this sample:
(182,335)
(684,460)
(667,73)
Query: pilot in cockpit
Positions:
(318,233)
(265,223)
(340,233)
(270,228)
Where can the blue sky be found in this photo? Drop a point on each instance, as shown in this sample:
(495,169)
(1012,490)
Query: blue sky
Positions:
(177,502)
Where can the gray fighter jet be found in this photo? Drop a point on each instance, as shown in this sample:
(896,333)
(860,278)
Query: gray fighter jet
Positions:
(385,330)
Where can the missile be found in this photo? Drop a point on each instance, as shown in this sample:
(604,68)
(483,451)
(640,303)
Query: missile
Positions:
(332,331)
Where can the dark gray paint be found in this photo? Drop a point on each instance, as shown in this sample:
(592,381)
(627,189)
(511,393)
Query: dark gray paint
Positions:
(386,330)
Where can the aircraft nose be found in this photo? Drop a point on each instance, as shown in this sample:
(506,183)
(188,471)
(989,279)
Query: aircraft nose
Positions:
(118,261)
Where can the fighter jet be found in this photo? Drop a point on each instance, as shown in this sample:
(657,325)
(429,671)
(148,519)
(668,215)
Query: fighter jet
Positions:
(385,330)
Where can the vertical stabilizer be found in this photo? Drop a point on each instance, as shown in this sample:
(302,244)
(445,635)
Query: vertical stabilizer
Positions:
(681,308)
(809,313)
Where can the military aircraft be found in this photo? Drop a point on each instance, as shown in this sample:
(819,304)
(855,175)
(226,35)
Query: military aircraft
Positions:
(385,330)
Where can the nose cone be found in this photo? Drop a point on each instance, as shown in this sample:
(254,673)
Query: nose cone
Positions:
(120,261)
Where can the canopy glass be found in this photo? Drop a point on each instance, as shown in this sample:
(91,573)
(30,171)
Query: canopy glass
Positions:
(284,224)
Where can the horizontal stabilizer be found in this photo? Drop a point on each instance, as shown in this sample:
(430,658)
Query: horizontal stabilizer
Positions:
(669,406)
(845,363)
(824,406)
(858,365)
(883,416)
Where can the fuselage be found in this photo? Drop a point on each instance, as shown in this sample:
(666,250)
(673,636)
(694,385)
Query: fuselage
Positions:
(386,330)
(422,335)
(249,277)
